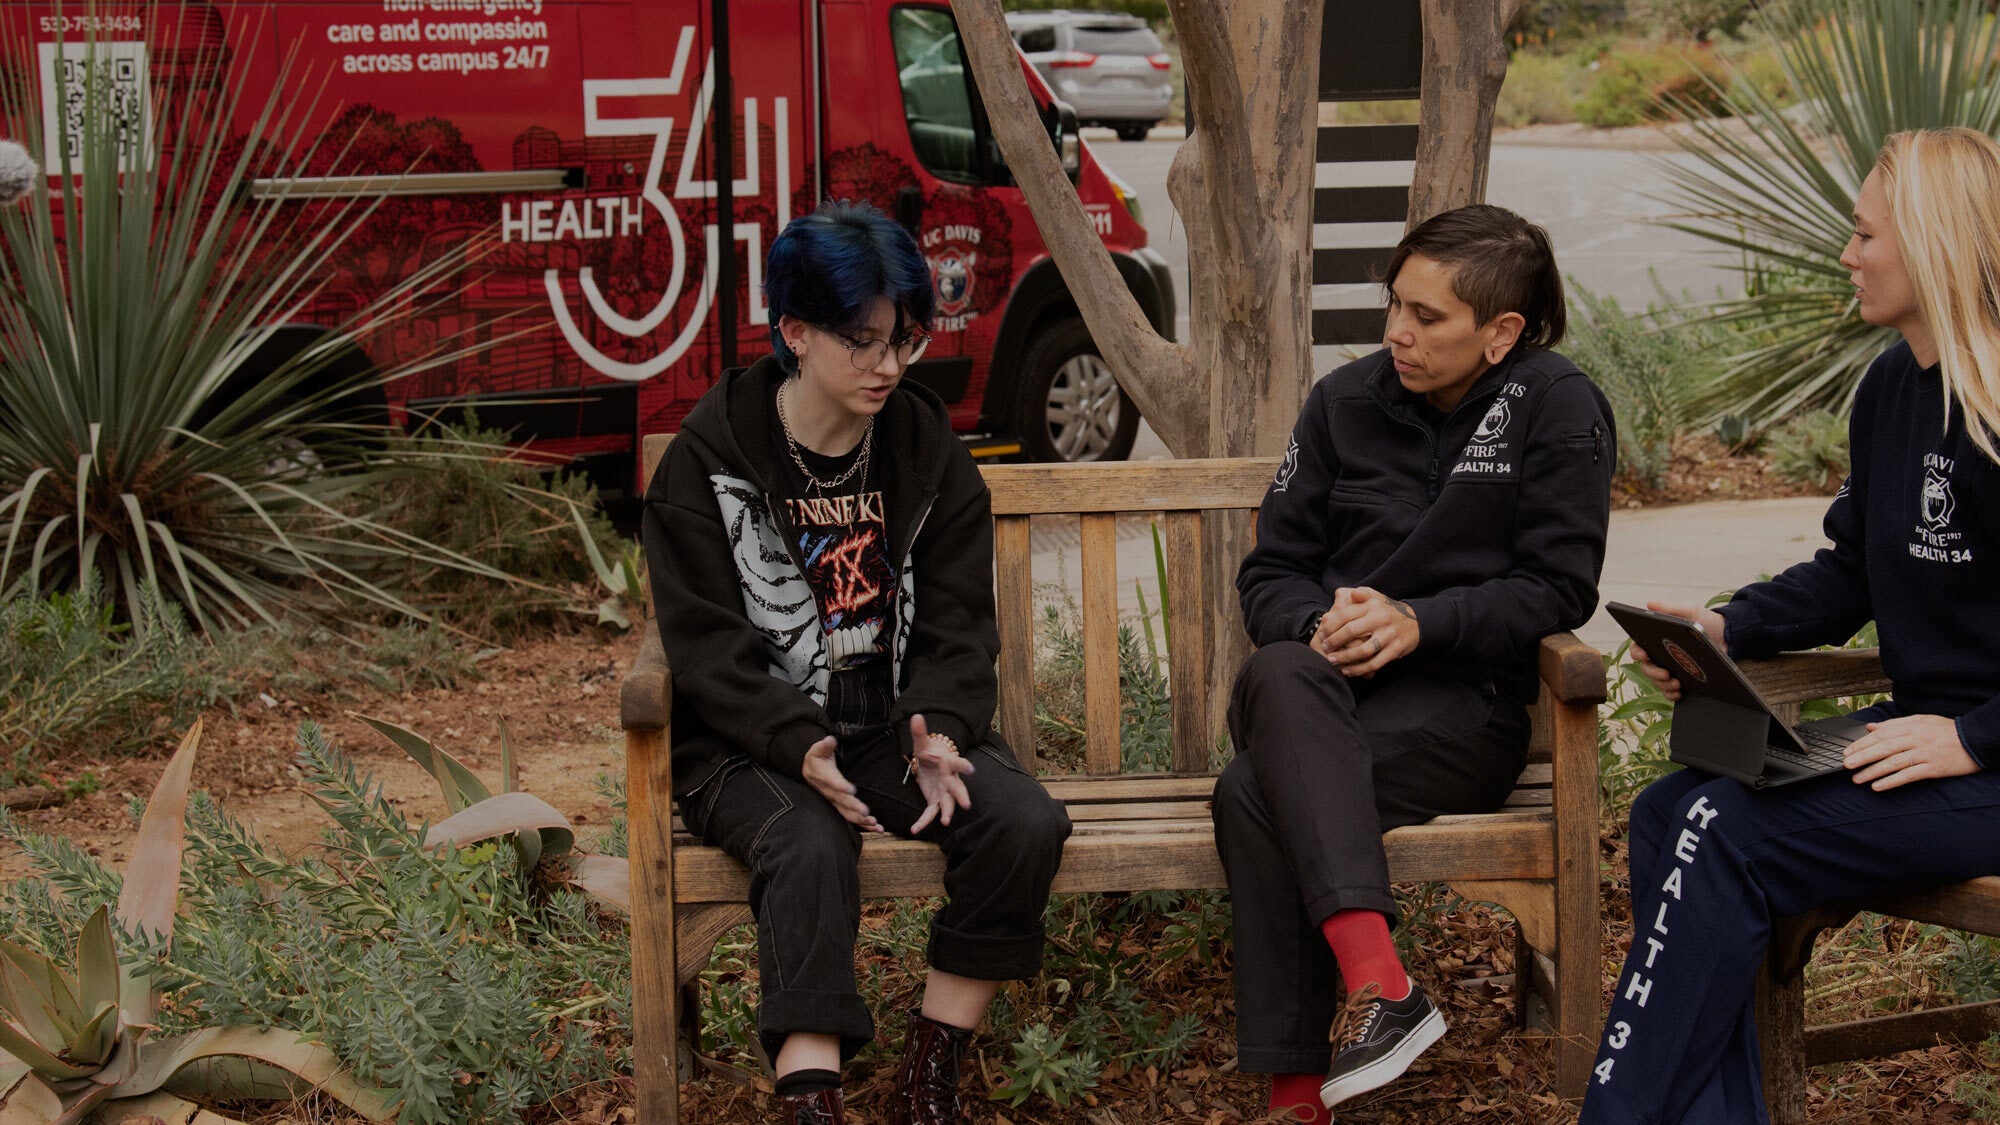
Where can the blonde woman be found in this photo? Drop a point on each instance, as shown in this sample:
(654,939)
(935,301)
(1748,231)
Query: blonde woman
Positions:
(1916,548)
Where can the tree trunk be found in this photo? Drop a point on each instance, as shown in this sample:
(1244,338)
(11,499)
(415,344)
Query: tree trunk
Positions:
(1465,61)
(1243,184)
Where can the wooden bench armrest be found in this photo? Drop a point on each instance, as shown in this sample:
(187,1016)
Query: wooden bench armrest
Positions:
(642,699)
(1573,670)
(1797,677)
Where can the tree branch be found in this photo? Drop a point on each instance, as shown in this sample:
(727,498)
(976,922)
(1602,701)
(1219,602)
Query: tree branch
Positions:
(1465,62)
(1154,371)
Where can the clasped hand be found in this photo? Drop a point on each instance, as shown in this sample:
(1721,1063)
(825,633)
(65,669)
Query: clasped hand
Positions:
(935,764)
(1365,630)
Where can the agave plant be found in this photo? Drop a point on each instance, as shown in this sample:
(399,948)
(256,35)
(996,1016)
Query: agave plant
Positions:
(72,1040)
(135,442)
(540,832)
(1778,185)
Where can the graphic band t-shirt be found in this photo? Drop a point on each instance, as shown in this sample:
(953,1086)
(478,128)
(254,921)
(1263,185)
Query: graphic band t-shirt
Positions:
(842,538)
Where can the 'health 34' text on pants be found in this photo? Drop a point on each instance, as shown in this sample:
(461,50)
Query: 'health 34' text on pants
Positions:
(1000,857)
(1324,765)
(1713,863)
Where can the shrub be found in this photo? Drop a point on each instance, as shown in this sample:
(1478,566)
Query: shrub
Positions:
(1811,449)
(1541,89)
(1146,718)
(483,502)
(1698,19)
(70,675)
(1641,83)
(1649,366)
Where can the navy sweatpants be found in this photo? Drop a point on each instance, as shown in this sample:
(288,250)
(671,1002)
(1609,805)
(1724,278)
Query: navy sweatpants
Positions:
(1713,862)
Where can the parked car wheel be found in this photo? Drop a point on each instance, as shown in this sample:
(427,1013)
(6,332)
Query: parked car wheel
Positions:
(1069,406)
(1135,132)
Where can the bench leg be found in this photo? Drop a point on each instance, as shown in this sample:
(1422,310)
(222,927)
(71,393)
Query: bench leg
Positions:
(1781,1012)
(1580,997)
(655,1022)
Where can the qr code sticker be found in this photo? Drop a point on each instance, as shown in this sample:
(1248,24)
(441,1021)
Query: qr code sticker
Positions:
(116,74)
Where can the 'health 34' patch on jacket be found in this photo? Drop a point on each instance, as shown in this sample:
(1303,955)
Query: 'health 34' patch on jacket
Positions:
(1490,521)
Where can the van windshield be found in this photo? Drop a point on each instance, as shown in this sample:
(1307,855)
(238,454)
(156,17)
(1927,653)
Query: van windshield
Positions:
(1116,40)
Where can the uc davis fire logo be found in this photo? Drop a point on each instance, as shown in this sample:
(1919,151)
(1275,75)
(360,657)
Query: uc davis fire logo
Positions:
(1495,422)
(1686,662)
(952,270)
(1938,503)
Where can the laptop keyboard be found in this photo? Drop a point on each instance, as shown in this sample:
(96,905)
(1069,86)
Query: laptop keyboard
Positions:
(1822,752)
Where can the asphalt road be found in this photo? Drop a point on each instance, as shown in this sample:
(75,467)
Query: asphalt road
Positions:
(1592,201)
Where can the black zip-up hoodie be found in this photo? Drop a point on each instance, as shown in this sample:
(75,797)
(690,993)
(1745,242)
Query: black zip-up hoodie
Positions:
(739,624)
(1916,547)
(1490,524)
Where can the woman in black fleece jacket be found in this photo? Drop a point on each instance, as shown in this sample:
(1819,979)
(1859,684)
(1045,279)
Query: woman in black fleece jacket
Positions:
(821,548)
(1916,547)
(1442,507)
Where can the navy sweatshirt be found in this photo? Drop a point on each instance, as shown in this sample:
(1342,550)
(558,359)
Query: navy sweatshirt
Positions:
(1916,547)
(1489,522)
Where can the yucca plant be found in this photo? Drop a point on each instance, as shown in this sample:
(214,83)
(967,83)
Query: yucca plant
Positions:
(131,306)
(1777,186)
(74,1039)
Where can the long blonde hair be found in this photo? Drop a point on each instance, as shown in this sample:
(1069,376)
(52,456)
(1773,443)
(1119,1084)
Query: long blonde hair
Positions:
(1944,198)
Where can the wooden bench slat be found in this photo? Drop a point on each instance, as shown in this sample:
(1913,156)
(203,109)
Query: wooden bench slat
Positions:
(1188,648)
(1136,486)
(1971,906)
(1501,846)
(1014,590)
(1101,693)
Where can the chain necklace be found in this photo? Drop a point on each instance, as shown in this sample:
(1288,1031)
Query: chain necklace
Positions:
(792,446)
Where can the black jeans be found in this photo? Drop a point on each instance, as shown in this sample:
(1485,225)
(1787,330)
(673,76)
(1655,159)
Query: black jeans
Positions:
(1000,856)
(1324,765)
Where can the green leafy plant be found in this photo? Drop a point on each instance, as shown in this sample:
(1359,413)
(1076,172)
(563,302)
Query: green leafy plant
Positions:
(74,1039)
(143,441)
(1650,365)
(69,673)
(1640,83)
(1778,186)
(1811,449)
(1044,1064)
(440,970)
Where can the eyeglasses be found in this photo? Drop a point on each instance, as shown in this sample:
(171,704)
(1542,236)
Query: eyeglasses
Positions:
(868,354)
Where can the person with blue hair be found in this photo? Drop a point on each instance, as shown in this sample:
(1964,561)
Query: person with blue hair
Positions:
(821,549)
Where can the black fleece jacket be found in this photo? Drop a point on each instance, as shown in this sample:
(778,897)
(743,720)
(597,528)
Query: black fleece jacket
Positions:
(1916,547)
(1489,522)
(739,626)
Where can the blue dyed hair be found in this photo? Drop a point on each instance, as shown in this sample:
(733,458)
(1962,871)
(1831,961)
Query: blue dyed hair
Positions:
(828,267)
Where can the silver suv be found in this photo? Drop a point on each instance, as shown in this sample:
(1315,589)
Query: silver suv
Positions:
(1108,66)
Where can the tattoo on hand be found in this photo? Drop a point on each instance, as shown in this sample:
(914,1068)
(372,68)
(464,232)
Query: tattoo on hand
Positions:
(1403,608)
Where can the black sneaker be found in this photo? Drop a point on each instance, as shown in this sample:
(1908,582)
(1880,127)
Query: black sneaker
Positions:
(1383,1038)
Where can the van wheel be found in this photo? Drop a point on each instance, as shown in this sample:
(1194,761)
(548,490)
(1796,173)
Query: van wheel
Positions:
(1134,132)
(1069,406)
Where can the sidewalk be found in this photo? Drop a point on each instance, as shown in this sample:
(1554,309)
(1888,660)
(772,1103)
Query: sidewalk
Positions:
(1686,553)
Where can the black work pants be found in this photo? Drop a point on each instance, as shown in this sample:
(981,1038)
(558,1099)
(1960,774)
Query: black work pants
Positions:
(1000,857)
(1324,765)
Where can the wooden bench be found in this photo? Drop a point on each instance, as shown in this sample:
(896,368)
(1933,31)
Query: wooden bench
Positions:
(1538,857)
(1790,1046)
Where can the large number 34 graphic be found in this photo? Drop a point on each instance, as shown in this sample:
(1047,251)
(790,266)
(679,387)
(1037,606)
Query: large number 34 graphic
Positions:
(686,186)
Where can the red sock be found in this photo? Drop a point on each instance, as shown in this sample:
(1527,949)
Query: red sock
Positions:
(1360,941)
(1299,1093)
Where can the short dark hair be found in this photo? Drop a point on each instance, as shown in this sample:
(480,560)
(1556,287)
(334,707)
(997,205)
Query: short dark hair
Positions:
(1500,263)
(828,267)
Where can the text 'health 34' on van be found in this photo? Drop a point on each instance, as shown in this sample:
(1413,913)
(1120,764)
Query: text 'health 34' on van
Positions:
(634,159)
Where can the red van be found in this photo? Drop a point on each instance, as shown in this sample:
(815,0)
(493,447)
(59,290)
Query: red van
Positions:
(633,218)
